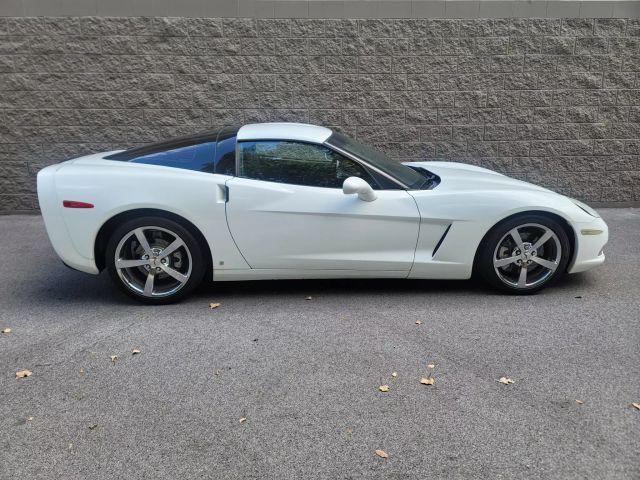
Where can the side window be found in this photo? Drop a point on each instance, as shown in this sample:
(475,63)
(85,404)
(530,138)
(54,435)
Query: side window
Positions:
(298,164)
(197,157)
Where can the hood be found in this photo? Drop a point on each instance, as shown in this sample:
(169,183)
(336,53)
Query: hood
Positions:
(462,176)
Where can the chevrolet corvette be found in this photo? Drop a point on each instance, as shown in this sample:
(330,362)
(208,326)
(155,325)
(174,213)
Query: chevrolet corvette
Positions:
(297,201)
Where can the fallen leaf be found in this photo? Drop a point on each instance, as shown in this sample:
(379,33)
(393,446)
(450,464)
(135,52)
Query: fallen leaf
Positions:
(24,373)
(418,322)
(308,298)
(135,351)
(394,374)
(114,358)
(579,402)
(382,454)
(93,427)
(213,305)
(6,331)
(29,419)
(636,405)
(243,419)
(383,388)
(427,381)
(431,366)
(81,370)
(505,381)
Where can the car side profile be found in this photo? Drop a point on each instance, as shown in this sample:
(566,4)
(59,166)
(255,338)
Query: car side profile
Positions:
(296,201)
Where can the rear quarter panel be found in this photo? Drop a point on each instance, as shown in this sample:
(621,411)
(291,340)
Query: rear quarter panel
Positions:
(114,187)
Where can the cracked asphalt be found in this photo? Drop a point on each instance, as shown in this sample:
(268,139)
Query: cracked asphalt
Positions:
(305,375)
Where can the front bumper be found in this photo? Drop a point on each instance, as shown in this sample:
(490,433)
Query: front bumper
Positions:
(589,245)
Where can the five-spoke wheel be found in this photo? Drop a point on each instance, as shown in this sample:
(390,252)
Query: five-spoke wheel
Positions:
(524,253)
(527,255)
(155,259)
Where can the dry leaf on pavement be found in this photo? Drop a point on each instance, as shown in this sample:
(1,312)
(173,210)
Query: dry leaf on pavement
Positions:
(213,305)
(579,402)
(382,454)
(24,373)
(135,351)
(394,374)
(6,330)
(431,366)
(636,405)
(29,418)
(114,358)
(243,419)
(505,381)
(383,388)
(427,381)
(418,322)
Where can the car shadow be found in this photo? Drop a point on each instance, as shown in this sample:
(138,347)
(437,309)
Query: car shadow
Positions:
(333,287)
(76,287)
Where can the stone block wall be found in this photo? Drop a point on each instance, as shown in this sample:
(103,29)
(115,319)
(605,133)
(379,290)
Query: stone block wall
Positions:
(555,101)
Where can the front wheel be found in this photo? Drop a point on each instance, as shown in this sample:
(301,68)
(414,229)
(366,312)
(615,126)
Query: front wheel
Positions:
(155,260)
(524,254)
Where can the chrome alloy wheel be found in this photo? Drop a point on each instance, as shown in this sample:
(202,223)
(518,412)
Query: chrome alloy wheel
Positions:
(153,261)
(527,256)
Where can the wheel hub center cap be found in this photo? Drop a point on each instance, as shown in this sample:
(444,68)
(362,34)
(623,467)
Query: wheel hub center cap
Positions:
(525,254)
(155,261)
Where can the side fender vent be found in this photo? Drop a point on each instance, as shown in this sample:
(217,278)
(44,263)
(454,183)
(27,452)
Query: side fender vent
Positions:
(435,250)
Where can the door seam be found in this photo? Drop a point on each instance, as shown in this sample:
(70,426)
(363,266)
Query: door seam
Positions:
(226,217)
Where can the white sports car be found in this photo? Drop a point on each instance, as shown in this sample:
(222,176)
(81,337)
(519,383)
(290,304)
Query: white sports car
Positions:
(285,200)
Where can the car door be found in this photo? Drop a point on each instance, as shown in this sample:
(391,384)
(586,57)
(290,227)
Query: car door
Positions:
(286,210)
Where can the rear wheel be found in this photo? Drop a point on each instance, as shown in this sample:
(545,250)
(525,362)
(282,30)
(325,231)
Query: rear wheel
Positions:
(154,260)
(524,254)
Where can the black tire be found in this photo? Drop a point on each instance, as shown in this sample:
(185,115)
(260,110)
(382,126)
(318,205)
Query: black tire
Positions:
(500,245)
(191,254)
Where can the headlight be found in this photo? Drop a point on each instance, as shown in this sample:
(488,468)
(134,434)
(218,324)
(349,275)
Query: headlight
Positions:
(586,208)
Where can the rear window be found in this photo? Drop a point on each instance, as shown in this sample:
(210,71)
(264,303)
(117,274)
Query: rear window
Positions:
(201,152)
(197,157)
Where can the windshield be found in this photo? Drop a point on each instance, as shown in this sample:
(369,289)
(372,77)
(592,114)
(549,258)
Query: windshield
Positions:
(406,175)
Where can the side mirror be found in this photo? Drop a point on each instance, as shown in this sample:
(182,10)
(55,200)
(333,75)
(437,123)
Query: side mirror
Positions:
(357,185)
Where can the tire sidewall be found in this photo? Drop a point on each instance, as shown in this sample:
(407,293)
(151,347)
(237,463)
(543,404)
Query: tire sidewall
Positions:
(489,243)
(197,257)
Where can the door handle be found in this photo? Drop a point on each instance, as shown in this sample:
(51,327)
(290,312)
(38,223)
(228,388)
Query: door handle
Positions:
(222,195)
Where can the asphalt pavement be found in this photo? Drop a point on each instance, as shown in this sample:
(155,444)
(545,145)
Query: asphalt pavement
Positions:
(304,375)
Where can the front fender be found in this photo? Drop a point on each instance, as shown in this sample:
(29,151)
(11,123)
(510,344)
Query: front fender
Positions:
(471,214)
